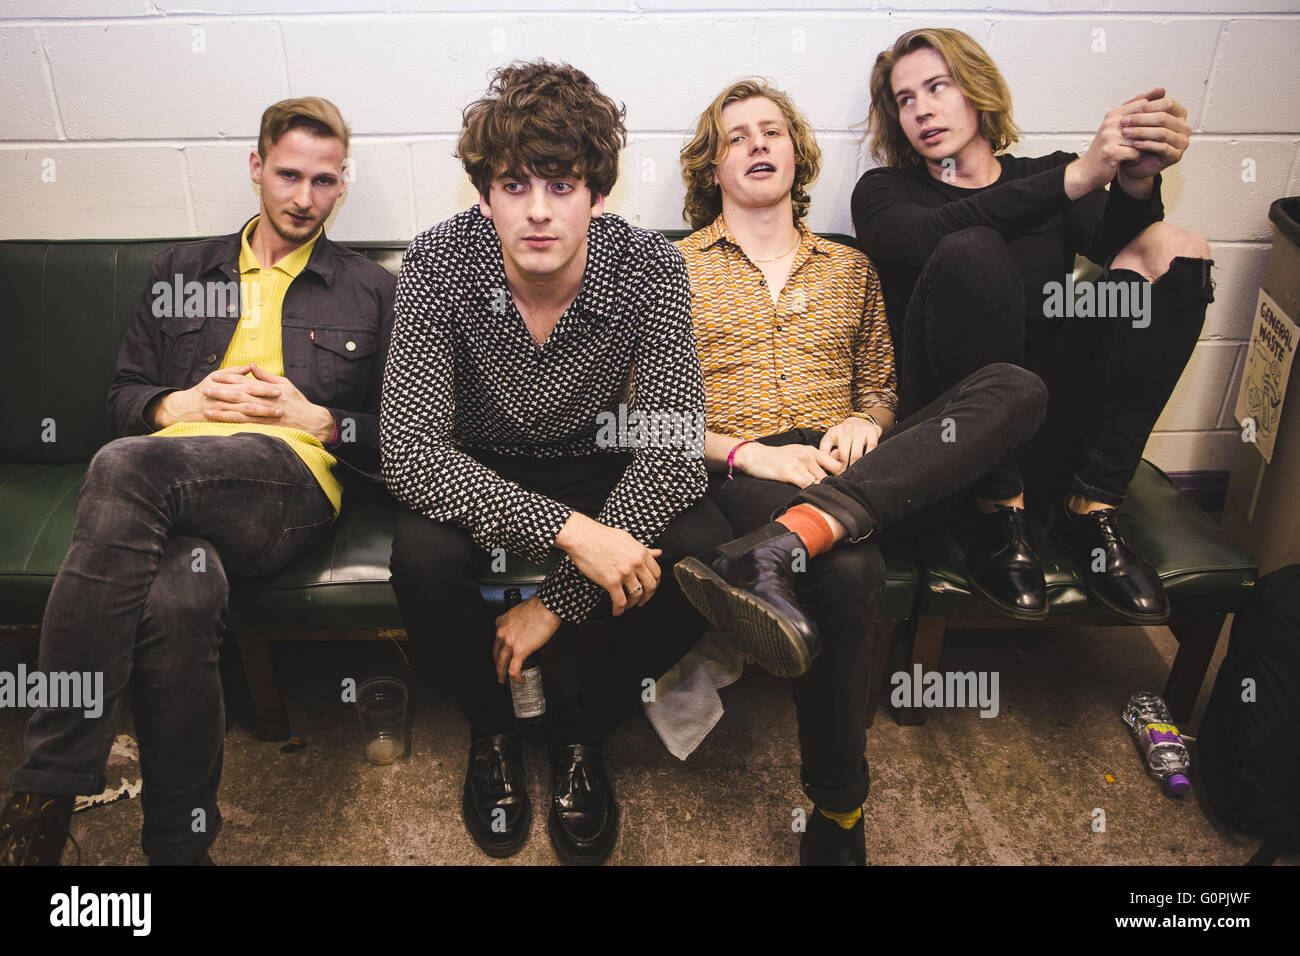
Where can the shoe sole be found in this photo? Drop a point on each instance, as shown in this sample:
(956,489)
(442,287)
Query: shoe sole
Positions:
(578,859)
(496,850)
(761,629)
(1010,610)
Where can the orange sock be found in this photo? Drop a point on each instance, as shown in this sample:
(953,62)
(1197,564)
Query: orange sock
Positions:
(811,527)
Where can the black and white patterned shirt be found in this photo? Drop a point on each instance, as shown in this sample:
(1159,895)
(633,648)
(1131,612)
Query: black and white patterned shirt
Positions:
(463,373)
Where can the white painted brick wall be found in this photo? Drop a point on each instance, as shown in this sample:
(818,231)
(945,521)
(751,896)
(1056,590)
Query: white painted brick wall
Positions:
(166,80)
(61,192)
(26,98)
(150,137)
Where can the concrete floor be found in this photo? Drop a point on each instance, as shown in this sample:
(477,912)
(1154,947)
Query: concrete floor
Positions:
(1018,788)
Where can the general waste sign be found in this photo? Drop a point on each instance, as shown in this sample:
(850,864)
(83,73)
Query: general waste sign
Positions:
(1272,347)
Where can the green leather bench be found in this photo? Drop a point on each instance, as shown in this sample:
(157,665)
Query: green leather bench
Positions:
(70,306)
(1204,572)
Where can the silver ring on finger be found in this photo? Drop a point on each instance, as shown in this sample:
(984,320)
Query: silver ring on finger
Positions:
(635,590)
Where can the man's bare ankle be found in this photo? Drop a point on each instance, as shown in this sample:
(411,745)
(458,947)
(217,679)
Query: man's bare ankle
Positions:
(1082,506)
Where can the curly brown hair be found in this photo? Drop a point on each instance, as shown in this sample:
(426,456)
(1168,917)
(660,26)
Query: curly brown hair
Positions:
(709,145)
(975,74)
(546,118)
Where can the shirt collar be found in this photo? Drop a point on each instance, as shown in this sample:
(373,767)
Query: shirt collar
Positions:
(716,233)
(291,265)
(597,298)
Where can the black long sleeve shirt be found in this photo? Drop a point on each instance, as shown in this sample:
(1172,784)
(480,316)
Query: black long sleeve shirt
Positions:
(900,214)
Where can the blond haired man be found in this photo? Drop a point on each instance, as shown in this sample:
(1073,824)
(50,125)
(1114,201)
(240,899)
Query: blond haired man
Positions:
(807,462)
(976,248)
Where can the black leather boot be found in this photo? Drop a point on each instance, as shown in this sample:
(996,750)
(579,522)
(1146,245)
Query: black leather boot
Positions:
(1002,566)
(495,802)
(748,587)
(583,822)
(1118,577)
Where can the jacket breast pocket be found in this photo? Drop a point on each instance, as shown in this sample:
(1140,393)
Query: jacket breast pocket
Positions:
(181,336)
(342,359)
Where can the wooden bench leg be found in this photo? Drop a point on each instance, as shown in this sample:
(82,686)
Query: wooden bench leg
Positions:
(268,709)
(925,651)
(1197,636)
(882,643)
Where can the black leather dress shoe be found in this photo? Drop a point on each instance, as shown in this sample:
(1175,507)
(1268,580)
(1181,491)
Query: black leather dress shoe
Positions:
(1002,566)
(1117,576)
(751,593)
(34,829)
(495,802)
(826,843)
(583,822)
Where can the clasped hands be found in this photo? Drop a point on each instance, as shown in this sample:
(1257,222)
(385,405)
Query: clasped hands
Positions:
(245,394)
(1136,140)
(804,465)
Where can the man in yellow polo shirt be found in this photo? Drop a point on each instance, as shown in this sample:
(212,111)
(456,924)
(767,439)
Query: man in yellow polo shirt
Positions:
(247,386)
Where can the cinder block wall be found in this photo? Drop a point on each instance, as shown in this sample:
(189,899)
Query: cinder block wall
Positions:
(126,118)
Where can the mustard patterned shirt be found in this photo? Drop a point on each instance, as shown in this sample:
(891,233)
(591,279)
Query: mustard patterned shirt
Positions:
(820,352)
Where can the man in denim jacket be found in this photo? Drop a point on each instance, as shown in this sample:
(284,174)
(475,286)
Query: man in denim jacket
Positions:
(251,372)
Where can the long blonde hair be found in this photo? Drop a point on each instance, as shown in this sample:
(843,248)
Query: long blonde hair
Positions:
(975,74)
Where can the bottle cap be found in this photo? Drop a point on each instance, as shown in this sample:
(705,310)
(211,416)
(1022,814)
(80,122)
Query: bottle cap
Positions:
(1179,784)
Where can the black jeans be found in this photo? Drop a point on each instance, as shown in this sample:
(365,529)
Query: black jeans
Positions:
(139,598)
(1108,379)
(436,572)
(917,472)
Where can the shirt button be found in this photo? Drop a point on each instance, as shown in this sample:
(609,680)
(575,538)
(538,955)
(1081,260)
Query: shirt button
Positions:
(351,346)
(212,358)
(762,282)
(783,376)
(252,335)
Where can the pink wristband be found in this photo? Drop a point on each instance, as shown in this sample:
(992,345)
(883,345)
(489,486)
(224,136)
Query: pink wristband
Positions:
(334,439)
(731,458)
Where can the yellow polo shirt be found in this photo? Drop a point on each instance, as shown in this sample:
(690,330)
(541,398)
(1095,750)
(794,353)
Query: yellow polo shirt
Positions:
(257,339)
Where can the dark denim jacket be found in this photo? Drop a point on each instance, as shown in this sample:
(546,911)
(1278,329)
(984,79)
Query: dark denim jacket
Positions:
(336,321)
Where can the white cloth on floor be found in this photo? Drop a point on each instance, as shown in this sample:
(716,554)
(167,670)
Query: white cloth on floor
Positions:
(686,705)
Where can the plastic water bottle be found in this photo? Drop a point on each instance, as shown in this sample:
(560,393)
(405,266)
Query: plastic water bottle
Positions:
(1158,740)
(528,699)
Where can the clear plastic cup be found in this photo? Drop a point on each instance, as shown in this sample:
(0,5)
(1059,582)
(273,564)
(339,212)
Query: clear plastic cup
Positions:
(381,704)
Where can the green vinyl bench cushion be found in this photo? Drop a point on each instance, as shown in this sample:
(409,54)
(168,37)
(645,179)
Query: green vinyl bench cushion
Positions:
(1201,567)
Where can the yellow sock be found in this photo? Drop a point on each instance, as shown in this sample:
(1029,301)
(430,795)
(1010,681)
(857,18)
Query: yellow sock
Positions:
(845,820)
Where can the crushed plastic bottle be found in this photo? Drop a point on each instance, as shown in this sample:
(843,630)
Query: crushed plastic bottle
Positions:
(1158,740)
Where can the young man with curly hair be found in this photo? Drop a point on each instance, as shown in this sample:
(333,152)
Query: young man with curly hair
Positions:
(807,461)
(975,248)
(524,325)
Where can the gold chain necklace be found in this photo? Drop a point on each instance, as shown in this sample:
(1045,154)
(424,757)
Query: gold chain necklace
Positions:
(797,240)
